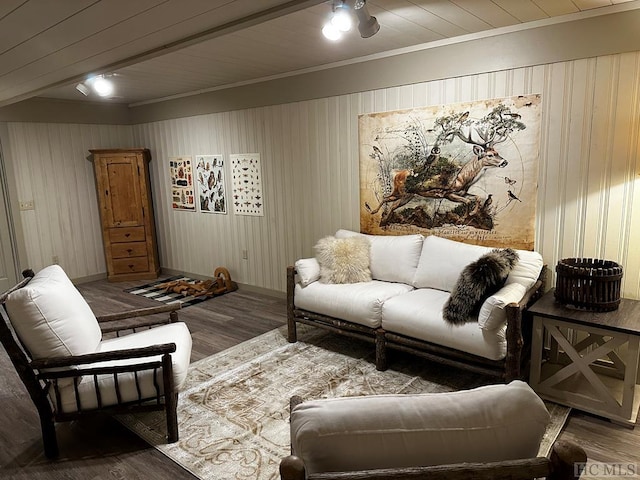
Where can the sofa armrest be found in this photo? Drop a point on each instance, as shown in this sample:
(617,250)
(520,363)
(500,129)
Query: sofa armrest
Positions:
(514,334)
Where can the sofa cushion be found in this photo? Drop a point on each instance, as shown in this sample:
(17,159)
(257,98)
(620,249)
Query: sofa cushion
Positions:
(359,303)
(343,260)
(478,280)
(51,318)
(418,314)
(492,313)
(130,384)
(308,271)
(485,424)
(527,270)
(394,258)
(442,260)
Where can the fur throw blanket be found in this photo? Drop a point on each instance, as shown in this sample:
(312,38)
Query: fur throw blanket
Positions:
(478,281)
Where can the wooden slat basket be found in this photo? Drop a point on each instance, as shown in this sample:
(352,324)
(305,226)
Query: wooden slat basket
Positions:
(589,283)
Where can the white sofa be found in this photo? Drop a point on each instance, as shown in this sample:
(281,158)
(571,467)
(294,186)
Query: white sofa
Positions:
(401,307)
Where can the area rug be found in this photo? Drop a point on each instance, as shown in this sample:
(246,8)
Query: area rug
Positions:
(154,292)
(233,412)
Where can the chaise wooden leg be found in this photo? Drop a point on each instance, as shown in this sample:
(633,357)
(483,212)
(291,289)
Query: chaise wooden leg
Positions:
(49,436)
(381,350)
(171,406)
(292,333)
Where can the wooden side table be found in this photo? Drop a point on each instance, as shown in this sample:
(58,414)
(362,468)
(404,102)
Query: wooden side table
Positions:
(591,362)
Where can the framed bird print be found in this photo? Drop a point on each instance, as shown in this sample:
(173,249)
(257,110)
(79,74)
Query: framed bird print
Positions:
(211,183)
(246,173)
(182,191)
(464,171)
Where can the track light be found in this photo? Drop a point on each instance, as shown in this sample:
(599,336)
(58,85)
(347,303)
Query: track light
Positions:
(100,85)
(82,88)
(368,25)
(341,20)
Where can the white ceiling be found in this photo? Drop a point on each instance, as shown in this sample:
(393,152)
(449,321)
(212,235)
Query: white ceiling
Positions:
(168,48)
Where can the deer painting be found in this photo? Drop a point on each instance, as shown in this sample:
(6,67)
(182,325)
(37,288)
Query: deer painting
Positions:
(483,136)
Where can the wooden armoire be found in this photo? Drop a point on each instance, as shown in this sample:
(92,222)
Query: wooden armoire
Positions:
(126,213)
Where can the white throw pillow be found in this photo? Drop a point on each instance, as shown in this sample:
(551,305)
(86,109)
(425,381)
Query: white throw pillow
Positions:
(343,260)
(51,317)
(394,258)
(492,314)
(308,270)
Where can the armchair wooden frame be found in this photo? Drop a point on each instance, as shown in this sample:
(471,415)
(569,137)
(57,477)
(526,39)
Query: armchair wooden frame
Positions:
(561,465)
(41,382)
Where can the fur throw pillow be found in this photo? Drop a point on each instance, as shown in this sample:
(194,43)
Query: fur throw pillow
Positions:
(478,281)
(344,260)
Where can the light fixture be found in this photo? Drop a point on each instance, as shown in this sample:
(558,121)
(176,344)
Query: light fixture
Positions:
(99,84)
(368,25)
(341,19)
(102,86)
(82,88)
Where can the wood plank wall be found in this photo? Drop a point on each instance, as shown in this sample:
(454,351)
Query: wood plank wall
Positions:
(588,201)
(51,169)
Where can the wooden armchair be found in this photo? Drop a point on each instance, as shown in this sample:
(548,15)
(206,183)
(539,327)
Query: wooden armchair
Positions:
(478,434)
(57,347)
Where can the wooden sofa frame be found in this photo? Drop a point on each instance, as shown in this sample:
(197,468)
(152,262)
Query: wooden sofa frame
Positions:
(560,465)
(41,382)
(513,366)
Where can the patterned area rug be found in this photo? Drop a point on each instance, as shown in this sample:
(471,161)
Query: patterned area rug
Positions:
(233,412)
(151,290)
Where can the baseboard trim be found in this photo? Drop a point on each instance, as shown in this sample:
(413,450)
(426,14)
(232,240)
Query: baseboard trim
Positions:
(90,278)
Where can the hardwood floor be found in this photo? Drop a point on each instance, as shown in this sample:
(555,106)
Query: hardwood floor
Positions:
(100,448)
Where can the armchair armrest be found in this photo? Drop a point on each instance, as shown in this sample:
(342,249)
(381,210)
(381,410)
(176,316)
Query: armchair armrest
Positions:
(91,358)
(559,467)
(110,318)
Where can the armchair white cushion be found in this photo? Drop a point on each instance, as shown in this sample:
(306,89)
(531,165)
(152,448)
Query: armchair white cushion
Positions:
(486,424)
(51,317)
(147,380)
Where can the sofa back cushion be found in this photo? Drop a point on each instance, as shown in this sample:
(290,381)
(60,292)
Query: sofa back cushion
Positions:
(442,261)
(393,258)
(485,424)
(51,318)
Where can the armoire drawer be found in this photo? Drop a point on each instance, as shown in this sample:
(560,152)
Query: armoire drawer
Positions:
(126,234)
(130,265)
(127,250)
